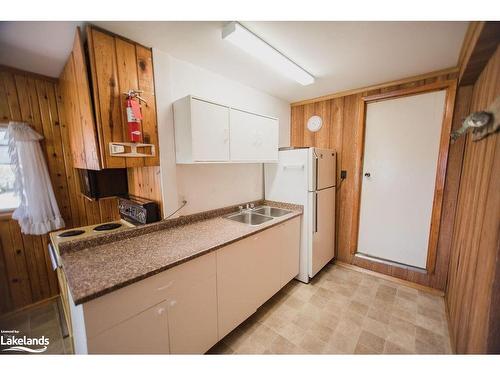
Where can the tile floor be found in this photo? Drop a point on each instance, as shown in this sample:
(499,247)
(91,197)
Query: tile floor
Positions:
(343,312)
(42,320)
(340,312)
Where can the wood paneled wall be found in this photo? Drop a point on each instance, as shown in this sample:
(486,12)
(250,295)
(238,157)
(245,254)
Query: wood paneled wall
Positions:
(145,182)
(342,131)
(25,271)
(474,278)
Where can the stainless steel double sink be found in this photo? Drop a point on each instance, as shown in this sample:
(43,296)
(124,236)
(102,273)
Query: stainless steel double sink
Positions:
(258,215)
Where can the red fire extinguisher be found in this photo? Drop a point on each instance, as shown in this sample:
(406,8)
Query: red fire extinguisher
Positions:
(134,116)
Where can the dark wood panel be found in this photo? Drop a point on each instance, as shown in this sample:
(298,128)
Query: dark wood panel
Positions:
(472,291)
(483,41)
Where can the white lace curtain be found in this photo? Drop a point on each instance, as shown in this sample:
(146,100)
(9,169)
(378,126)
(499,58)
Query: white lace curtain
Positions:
(38,212)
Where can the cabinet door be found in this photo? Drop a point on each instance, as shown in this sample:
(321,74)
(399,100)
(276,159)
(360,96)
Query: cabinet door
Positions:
(78,114)
(145,333)
(253,137)
(117,66)
(267,251)
(192,308)
(248,274)
(290,249)
(210,131)
(237,290)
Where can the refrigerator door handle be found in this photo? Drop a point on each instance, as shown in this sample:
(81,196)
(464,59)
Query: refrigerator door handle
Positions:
(316,171)
(315,212)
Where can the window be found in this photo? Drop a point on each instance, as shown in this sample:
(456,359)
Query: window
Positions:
(8,200)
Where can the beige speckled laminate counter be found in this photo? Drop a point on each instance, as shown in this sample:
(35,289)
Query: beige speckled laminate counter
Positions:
(104,263)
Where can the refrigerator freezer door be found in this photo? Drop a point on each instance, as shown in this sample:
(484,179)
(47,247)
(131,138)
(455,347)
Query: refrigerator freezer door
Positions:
(323,229)
(323,169)
(286,181)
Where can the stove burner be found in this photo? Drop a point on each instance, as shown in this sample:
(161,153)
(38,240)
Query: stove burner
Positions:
(71,233)
(108,226)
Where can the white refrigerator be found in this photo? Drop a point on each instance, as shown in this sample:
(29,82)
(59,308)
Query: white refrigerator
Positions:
(307,176)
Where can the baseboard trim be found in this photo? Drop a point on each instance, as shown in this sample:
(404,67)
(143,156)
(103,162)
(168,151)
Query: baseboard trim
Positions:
(393,279)
(451,336)
(372,258)
(30,306)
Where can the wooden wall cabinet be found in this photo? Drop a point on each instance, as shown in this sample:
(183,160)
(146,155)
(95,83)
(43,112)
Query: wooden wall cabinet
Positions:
(116,65)
(208,132)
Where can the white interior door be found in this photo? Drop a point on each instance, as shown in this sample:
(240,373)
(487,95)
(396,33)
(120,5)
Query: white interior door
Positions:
(399,173)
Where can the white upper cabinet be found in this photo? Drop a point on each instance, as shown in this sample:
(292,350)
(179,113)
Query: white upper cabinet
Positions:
(201,131)
(207,132)
(253,137)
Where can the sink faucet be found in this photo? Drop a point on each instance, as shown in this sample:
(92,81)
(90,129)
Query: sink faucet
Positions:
(248,207)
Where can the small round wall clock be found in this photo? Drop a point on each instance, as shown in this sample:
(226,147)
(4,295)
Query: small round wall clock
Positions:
(314,123)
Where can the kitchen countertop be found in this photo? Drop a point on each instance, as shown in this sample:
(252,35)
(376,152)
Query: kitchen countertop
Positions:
(102,264)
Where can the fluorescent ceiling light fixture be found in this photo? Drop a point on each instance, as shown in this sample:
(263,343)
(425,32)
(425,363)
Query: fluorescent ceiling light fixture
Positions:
(253,45)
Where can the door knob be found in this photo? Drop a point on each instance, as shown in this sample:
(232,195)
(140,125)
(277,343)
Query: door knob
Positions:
(367,174)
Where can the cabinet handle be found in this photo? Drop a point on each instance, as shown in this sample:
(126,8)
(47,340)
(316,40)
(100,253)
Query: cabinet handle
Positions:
(173,303)
(161,311)
(165,286)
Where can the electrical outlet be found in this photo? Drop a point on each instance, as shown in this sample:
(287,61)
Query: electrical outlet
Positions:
(343,175)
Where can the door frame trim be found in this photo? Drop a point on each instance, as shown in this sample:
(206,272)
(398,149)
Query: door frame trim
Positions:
(437,206)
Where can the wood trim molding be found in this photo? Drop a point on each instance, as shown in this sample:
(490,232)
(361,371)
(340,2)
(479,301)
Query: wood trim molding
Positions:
(450,87)
(409,91)
(393,279)
(339,94)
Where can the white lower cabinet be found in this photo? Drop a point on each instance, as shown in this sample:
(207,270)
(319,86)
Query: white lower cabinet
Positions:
(251,271)
(184,295)
(289,239)
(188,308)
(192,317)
(145,333)
(237,290)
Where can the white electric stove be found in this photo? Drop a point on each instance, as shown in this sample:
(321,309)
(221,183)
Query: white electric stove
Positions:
(65,235)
